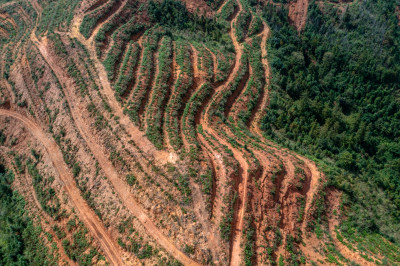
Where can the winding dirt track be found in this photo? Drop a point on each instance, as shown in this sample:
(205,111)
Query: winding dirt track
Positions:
(204,121)
(143,143)
(120,186)
(86,214)
(284,154)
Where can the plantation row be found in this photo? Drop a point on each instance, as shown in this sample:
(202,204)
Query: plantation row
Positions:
(105,35)
(92,19)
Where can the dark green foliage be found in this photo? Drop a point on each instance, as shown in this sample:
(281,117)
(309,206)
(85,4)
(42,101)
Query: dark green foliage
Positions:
(334,94)
(214,3)
(131,179)
(170,13)
(173,14)
(141,251)
(255,86)
(255,26)
(2,138)
(20,241)
(242,25)
(113,24)
(150,43)
(57,15)
(231,92)
(207,181)
(228,9)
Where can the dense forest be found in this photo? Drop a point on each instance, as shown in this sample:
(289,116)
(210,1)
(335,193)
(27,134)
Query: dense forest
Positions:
(334,95)
(20,239)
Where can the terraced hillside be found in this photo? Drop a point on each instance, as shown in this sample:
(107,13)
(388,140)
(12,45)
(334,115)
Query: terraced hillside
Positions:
(132,132)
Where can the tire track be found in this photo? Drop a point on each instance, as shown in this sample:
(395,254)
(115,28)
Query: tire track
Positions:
(120,186)
(86,214)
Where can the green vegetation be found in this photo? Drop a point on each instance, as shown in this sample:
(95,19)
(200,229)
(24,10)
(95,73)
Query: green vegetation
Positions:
(205,61)
(103,35)
(227,220)
(127,75)
(77,250)
(225,59)
(255,26)
(150,43)
(242,25)
(90,20)
(189,116)
(228,10)
(21,242)
(250,243)
(255,85)
(121,38)
(56,15)
(180,90)
(160,92)
(232,90)
(214,3)
(174,15)
(334,94)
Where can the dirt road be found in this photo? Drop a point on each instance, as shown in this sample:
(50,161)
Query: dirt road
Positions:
(120,186)
(86,214)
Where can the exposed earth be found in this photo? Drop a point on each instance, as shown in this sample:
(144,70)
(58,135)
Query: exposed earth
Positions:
(150,140)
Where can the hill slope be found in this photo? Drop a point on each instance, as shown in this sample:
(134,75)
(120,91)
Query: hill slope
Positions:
(200,132)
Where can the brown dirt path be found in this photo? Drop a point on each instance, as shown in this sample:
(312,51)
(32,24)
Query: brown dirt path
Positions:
(282,153)
(298,13)
(238,230)
(254,127)
(204,121)
(198,200)
(201,213)
(206,124)
(120,186)
(36,6)
(85,213)
(221,7)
